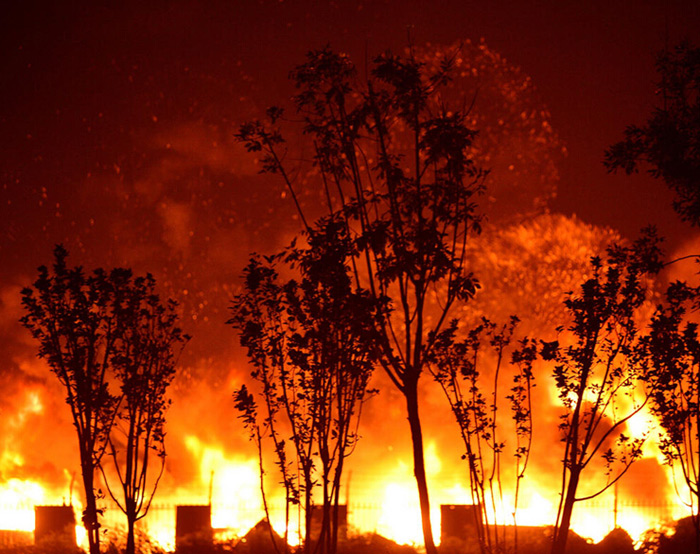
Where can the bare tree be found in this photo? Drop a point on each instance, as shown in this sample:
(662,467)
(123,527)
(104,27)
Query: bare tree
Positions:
(144,359)
(474,394)
(395,164)
(71,316)
(312,356)
(598,370)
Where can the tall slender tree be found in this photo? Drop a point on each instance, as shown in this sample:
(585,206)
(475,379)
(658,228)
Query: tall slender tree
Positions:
(471,373)
(598,369)
(70,314)
(674,347)
(312,355)
(395,165)
(110,341)
(144,360)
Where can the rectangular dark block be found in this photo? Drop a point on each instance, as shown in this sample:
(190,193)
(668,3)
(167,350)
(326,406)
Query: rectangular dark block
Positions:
(192,528)
(459,522)
(317,521)
(55,524)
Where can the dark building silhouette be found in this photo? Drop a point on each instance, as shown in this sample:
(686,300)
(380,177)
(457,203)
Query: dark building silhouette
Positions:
(193,529)
(459,522)
(317,521)
(54,524)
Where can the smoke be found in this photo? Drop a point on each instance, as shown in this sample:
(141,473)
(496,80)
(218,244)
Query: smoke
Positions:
(516,141)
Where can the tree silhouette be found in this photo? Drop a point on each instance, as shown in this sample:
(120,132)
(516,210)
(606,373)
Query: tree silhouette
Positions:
(410,212)
(312,355)
(675,351)
(143,362)
(669,142)
(474,396)
(70,314)
(95,331)
(597,371)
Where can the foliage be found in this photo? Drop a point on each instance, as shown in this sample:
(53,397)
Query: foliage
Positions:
(675,377)
(598,369)
(397,169)
(96,331)
(312,355)
(669,142)
(70,315)
(143,363)
(457,367)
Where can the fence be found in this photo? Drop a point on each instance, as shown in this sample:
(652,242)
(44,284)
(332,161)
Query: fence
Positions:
(231,521)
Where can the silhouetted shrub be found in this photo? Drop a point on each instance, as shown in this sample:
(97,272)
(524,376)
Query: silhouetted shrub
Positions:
(676,538)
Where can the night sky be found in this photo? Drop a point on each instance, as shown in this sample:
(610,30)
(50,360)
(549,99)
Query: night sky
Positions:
(117,123)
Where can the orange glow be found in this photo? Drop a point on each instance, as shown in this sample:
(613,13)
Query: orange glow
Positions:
(17,500)
(235,486)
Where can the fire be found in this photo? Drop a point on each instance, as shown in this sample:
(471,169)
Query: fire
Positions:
(235,486)
(388,504)
(536,510)
(17,501)
(400,518)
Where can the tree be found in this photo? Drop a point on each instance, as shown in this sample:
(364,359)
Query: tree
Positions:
(674,347)
(312,355)
(474,397)
(669,142)
(143,362)
(95,331)
(70,314)
(409,211)
(598,370)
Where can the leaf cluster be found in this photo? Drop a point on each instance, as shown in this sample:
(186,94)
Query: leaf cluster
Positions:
(599,367)
(669,143)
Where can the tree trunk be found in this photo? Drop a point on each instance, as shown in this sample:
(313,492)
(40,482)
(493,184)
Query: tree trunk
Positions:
(695,518)
(307,512)
(90,513)
(130,542)
(411,392)
(335,503)
(561,534)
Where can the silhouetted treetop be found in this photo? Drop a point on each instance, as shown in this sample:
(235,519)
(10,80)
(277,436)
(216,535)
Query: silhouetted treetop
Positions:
(397,171)
(669,143)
